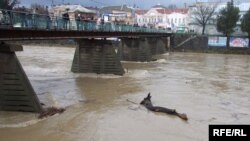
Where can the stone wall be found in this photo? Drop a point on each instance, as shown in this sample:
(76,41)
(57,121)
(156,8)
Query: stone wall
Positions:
(96,56)
(142,49)
(193,43)
(200,44)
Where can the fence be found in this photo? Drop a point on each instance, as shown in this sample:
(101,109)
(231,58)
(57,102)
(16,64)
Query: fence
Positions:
(26,20)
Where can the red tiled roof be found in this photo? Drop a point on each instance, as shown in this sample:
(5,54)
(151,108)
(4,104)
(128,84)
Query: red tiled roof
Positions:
(141,12)
(169,11)
(158,6)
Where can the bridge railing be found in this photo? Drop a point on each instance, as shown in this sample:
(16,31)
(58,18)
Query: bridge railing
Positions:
(27,20)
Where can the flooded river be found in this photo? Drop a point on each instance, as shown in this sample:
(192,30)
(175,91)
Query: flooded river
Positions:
(209,88)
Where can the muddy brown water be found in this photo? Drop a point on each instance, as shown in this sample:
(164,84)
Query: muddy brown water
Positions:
(209,88)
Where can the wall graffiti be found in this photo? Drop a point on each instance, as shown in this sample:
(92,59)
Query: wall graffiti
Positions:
(216,41)
(239,42)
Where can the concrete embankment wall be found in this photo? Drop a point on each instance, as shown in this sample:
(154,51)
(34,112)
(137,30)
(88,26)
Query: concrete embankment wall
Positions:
(199,43)
(192,43)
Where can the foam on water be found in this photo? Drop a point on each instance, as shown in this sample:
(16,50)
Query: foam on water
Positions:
(21,124)
(161,61)
(134,62)
(139,74)
(94,75)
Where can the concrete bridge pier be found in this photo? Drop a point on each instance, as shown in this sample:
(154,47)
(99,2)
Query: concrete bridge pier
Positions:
(158,45)
(142,49)
(16,92)
(96,56)
(135,49)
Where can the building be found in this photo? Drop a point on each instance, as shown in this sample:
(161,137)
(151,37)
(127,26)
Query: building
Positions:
(160,17)
(117,14)
(73,10)
(71,16)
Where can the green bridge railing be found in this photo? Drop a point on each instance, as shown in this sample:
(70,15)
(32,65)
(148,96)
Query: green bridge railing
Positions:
(26,20)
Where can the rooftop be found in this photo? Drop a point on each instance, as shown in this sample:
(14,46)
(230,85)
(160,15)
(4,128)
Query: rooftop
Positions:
(109,9)
(74,8)
(141,12)
(159,6)
(169,11)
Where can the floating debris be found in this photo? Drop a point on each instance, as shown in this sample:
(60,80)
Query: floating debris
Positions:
(50,112)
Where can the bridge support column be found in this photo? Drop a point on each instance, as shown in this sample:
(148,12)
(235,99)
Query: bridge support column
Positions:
(135,49)
(172,41)
(16,92)
(158,45)
(96,56)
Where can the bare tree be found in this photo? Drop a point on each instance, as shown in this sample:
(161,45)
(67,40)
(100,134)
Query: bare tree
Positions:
(202,13)
(8,4)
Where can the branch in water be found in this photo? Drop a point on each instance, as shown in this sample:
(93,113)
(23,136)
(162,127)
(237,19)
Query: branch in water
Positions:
(132,102)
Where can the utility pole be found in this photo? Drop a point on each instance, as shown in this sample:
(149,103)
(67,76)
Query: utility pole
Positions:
(52,3)
(133,14)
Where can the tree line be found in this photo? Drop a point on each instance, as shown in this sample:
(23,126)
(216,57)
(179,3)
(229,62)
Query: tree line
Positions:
(226,20)
(11,5)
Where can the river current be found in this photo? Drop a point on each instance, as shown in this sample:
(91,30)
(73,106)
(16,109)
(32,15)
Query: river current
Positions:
(209,88)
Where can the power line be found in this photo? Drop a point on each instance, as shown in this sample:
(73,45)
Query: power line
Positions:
(108,4)
(95,1)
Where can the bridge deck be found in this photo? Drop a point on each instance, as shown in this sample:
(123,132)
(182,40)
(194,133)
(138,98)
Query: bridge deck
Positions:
(42,34)
(16,25)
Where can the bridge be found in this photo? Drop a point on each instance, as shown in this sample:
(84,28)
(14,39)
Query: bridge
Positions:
(95,52)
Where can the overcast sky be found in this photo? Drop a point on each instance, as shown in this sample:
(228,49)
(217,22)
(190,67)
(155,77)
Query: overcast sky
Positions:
(100,3)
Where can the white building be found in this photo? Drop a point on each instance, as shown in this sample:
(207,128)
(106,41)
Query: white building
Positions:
(72,10)
(75,12)
(161,17)
(122,14)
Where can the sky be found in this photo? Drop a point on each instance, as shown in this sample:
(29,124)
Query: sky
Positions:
(100,3)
